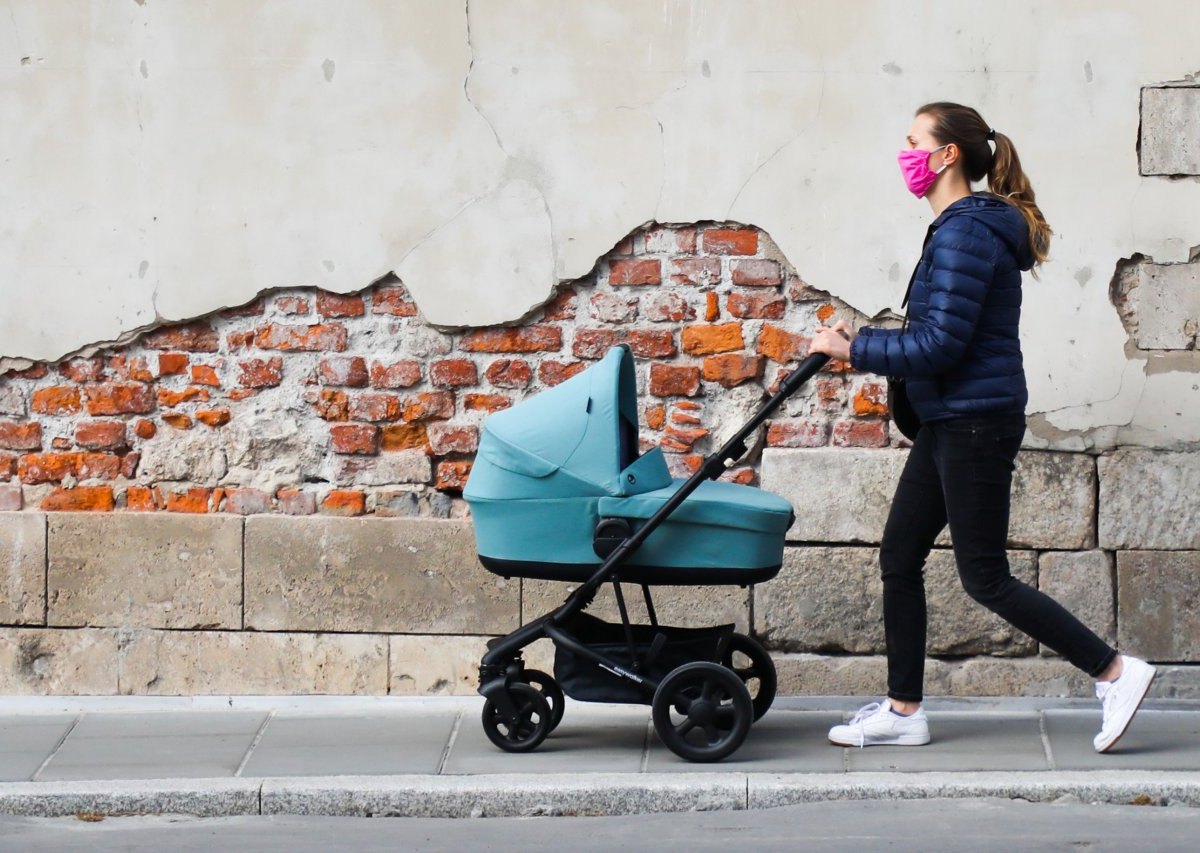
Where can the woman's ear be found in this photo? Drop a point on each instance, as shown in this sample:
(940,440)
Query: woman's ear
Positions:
(950,155)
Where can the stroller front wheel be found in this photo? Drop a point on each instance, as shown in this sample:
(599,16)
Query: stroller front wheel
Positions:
(702,711)
(523,728)
(550,690)
(746,657)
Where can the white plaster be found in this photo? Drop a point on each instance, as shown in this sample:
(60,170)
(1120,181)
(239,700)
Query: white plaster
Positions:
(167,159)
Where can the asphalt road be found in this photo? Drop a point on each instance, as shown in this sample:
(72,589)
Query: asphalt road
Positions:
(958,825)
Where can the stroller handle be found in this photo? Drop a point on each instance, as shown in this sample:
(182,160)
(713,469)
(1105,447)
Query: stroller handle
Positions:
(807,369)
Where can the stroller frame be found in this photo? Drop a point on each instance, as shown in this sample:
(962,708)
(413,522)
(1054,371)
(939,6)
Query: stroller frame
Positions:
(518,715)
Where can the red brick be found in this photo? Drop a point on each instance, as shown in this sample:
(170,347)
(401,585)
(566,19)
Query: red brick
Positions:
(661,239)
(139,370)
(344,502)
(178,420)
(11,498)
(830,391)
(129,465)
(80,499)
(682,439)
(594,343)
(354,438)
(172,363)
(332,405)
(404,436)
(667,380)
(624,247)
(668,306)
(216,417)
(61,443)
(729,241)
(145,429)
(393,300)
(798,433)
(707,340)
(860,433)
(254,308)
(798,291)
(195,501)
(453,373)
(755,272)
(190,337)
(239,340)
(429,406)
(871,399)
(101,435)
(169,399)
(205,374)
(346,370)
(340,305)
(452,438)
(732,369)
(323,337)
(247,501)
(296,502)
(741,476)
(684,466)
(292,305)
(780,345)
(55,467)
(561,307)
(8,466)
(260,372)
(756,306)
(613,307)
(375,407)
(553,373)
(486,402)
(401,374)
(510,373)
(521,339)
(83,369)
(237,394)
(139,499)
(119,399)
(656,417)
(452,475)
(59,400)
(636,271)
(695,271)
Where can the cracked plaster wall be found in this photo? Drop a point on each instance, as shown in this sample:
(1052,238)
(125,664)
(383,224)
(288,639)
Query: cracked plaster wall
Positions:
(162,160)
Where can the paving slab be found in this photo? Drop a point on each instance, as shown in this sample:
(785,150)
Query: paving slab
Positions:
(962,742)
(1155,740)
(155,746)
(350,745)
(26,742)
(590,739)
(781,742)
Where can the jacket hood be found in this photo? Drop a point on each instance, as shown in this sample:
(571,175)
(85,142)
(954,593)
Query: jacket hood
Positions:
(1002,218)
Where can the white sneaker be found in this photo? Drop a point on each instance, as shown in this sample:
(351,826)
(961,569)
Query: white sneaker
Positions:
(1121,699)
(876,724)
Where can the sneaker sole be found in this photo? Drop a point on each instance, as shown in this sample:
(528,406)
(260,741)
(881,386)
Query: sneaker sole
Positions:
(903,740)
(1132,714)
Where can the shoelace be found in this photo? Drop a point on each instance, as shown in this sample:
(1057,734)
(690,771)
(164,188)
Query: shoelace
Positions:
(860,719)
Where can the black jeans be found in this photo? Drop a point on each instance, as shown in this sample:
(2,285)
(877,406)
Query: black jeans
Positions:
(960,472)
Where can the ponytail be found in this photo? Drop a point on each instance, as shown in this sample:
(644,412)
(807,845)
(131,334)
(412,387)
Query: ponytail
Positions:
(1007,180)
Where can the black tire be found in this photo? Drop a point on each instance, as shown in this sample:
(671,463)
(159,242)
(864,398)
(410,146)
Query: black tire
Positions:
(531,725)
(753,665)
(551,691)
(702,711)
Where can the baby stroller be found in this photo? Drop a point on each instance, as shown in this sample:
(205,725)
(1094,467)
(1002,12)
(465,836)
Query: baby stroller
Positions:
(559,492)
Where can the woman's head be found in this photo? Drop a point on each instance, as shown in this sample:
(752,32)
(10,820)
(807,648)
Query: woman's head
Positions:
(964,137)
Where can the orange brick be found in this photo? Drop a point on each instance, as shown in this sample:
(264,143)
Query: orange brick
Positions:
(195,501)
(37,371)
(429,406)
(54,467)
(59,400)
(375,407)
(239,340)
(637,271)
(452,475)
(553,373)
(486,402)
(741,476)
(323,337)
(119,399)
(172,363)
(190,337)
(510,373)
(8,466)
(217,417)
(80,499)
(755,272)
(453,373)
(729,241)
(260,372)
(681,437)
(404,436)
(521,339)
(695,271)
(177,420)
(825,312)
(82,369)
(393,300)
(354,438)
(871,399)
(101,435)
(144,429)
(451,438)
(139,370)
(61,443)
(860,433)
(344,502)
(292,305)
(756,306)
(780,345)
(346,370)
(139,499)
(656,417)
(170,399)
(707,340)
(732,369)
(402,374)
(667,380)
(205,374)
(668,306)
(712,307)
(339,305)
(237,394)
(798,433)
(332,405)
(561,307)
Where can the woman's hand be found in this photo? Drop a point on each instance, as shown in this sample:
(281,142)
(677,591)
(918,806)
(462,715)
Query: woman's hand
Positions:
(834,342)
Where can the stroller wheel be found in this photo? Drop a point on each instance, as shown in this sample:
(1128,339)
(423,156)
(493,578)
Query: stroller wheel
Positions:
(529,725)
(550,691)
(702,711)
(753,665)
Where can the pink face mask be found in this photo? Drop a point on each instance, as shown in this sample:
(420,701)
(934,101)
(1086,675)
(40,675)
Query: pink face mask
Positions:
(914,165)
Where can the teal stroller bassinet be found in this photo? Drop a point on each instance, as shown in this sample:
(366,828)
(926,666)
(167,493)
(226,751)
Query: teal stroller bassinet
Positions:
(558,491)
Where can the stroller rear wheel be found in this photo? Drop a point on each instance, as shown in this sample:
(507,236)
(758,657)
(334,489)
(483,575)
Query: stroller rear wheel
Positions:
(550,690)
(753,665)
(526,727)
(702,711)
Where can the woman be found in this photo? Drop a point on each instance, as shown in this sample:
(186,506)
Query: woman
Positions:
(960,356)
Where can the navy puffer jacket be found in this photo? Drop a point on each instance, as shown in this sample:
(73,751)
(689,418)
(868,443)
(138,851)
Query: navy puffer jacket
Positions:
(961,353)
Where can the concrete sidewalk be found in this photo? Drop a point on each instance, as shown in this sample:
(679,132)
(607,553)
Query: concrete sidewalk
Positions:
(429,757)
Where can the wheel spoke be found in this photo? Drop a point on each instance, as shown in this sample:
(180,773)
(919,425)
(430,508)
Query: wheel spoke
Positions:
(713,734)
(706,689)
(686,726)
